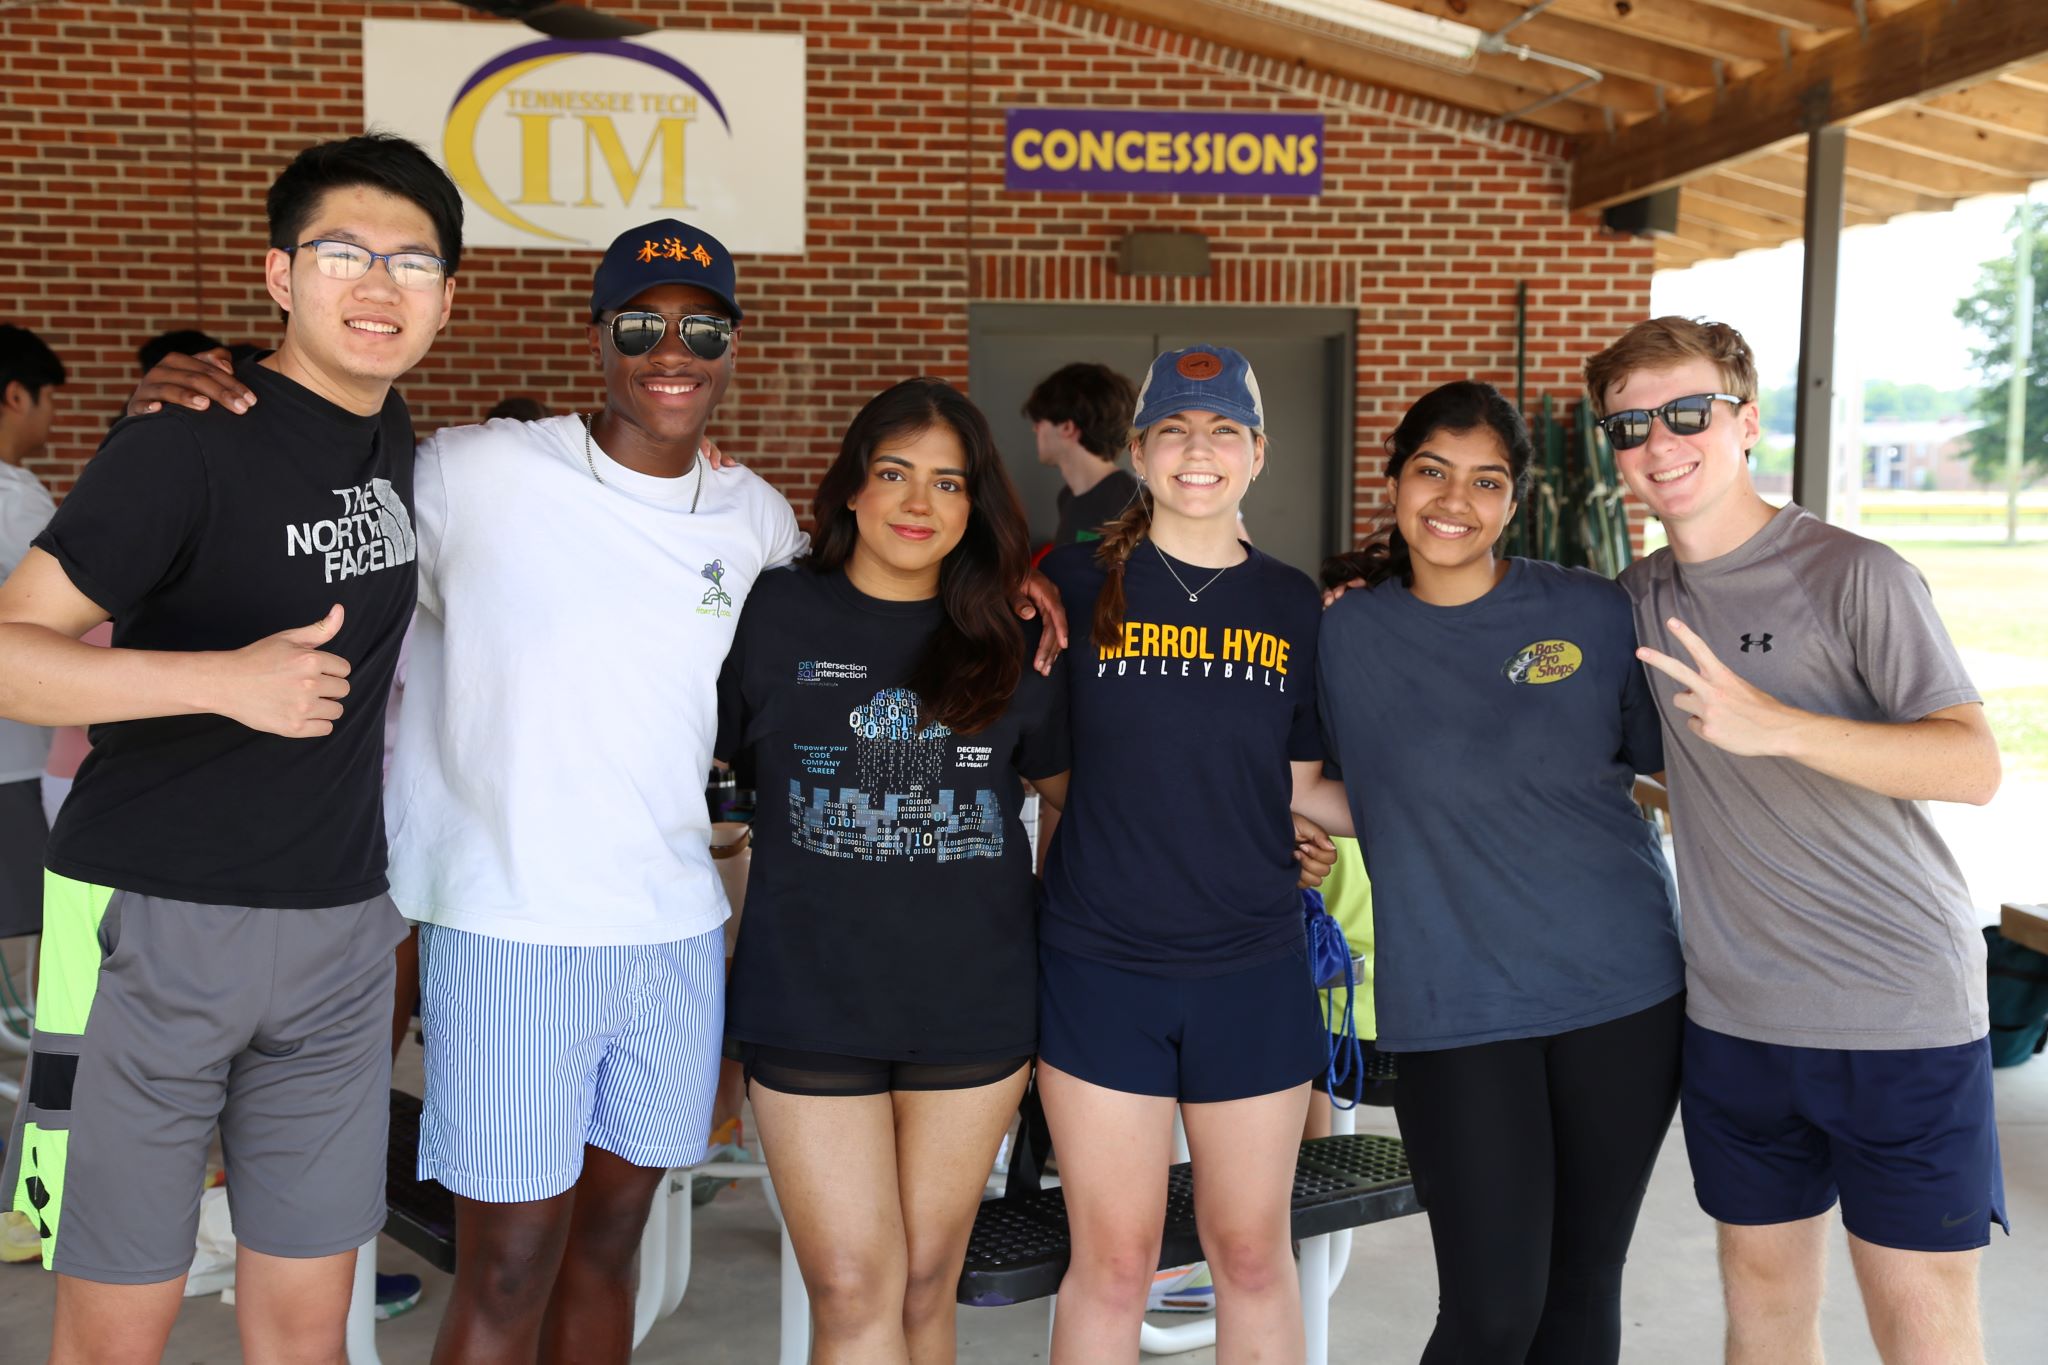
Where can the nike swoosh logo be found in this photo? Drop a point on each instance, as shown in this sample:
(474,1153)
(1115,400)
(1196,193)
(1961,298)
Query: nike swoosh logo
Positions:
(1949,1222)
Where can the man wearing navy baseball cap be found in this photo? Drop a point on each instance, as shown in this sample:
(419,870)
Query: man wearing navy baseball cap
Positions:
(580,577)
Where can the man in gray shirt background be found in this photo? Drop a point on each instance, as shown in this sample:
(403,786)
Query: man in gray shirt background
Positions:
(1835,1039)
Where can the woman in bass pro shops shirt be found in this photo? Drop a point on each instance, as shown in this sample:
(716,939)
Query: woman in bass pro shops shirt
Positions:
(1172,964)
(1490,717)
(883,993)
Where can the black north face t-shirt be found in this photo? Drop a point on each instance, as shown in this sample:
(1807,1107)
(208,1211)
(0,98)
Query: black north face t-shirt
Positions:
(209,531)
(890,905)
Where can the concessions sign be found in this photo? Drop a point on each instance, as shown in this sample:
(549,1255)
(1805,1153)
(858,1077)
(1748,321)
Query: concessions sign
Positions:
(1172,151)
(565,143)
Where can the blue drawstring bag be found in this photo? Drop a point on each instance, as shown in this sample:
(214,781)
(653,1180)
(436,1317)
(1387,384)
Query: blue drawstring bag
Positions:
(1329,963)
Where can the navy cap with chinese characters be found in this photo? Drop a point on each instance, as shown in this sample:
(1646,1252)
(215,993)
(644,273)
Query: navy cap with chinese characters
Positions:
(662,252)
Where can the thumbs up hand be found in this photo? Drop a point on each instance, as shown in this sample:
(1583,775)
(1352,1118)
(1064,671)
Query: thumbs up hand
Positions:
(286,684)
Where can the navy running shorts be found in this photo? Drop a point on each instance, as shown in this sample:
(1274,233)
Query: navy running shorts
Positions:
(1904,1138)
(1199,1039)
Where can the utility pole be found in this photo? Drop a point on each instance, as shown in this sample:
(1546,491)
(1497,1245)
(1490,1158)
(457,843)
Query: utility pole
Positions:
(2022,362)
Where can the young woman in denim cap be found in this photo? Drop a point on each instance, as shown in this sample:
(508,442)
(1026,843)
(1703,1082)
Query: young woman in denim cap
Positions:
(1172,966)
(1490,716)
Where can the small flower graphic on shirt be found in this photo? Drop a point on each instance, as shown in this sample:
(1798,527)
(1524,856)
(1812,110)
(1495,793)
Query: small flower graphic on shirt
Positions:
(717,601)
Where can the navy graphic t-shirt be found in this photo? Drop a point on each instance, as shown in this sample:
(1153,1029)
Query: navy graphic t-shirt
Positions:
(890,905)
(1175,853)
(209,531)
(1489,751)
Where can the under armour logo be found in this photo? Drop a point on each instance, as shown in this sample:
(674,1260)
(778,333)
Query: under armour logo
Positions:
(1762,642)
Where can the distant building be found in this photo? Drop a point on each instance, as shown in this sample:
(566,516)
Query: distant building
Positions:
(1918,455)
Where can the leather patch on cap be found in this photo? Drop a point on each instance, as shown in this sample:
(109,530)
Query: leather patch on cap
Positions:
(1198,365)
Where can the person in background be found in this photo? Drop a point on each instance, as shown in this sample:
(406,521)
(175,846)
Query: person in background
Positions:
(1080,415)
(30,374)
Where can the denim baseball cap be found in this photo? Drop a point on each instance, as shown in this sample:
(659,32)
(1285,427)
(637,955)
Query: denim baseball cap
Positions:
(662,252)
(1200,379)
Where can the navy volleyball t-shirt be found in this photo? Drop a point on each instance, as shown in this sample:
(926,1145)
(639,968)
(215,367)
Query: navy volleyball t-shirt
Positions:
(1489,751)
(1175,854)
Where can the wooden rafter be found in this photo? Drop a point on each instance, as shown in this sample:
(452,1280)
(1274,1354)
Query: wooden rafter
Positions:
(1733,37)
(1915,130)
(1680,71)
(1814,16)
(2006,108)
(1932,175)
(1355,61)
(1882,198)
(1924,50)
(1773,201)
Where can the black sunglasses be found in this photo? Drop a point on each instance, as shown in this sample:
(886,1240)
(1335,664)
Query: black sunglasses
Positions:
(1688,416)
(638,332)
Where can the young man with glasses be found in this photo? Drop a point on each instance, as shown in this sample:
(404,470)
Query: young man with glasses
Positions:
(580,579)
(1836,1026)
(217,938)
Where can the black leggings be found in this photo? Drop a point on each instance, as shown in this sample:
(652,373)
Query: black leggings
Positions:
(1531,1157)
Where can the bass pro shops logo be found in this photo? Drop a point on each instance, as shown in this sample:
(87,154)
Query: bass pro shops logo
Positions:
(1546,661)
(591,136)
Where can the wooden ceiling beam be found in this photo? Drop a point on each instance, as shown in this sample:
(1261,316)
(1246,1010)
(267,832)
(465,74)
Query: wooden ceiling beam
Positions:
(1622,54)
(1994,104)
(1774,201)
(1732,37)
(2033,77)
(1726,240)
(1932,175)
(1814,16)
(1924,50)
(1694,206)
(1881,198)
(1914,130)
(1675,253)
(1327,53)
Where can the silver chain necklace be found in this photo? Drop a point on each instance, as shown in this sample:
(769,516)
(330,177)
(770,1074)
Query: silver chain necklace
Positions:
(590,458)
(1194,594)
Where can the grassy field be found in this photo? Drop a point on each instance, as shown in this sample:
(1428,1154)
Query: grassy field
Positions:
(1995,597)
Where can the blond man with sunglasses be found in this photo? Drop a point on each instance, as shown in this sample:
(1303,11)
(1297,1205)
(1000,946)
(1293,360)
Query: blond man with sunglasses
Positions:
(1835,1042)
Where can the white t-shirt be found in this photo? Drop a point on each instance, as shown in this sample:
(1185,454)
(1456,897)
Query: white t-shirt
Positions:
(561,703)
(25,509)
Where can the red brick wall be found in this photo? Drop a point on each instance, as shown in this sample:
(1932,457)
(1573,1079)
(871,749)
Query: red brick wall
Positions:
(136,141)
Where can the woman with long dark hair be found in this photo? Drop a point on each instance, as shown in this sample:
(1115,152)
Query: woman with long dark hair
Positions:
(1490,716)
(883,991)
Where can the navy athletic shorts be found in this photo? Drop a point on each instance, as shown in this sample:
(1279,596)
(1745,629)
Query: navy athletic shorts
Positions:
(1200,1039)
(1905,1138)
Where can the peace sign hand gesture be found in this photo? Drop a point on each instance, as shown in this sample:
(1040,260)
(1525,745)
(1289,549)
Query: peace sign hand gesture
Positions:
(1725,710)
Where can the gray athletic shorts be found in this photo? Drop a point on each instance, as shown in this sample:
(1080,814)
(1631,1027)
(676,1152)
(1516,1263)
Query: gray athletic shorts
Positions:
(157,1020)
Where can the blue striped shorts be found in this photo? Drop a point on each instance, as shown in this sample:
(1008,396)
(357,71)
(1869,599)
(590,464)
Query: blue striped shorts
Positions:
(535,1050)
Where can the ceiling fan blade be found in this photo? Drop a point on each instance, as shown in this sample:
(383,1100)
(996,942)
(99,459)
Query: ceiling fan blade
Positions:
(560,19)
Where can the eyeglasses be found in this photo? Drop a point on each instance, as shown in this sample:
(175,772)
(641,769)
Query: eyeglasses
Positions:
(1688,416)
(638,332)
(347,261)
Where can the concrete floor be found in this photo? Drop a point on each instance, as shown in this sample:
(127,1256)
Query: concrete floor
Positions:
(1382,1313)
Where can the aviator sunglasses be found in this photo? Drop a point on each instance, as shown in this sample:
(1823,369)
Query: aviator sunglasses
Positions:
(1688,416)
(640,331)
(347,261)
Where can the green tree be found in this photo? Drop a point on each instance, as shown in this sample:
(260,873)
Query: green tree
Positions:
(1989,311)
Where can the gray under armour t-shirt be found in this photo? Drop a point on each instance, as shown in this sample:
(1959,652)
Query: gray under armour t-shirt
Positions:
(1815,913)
